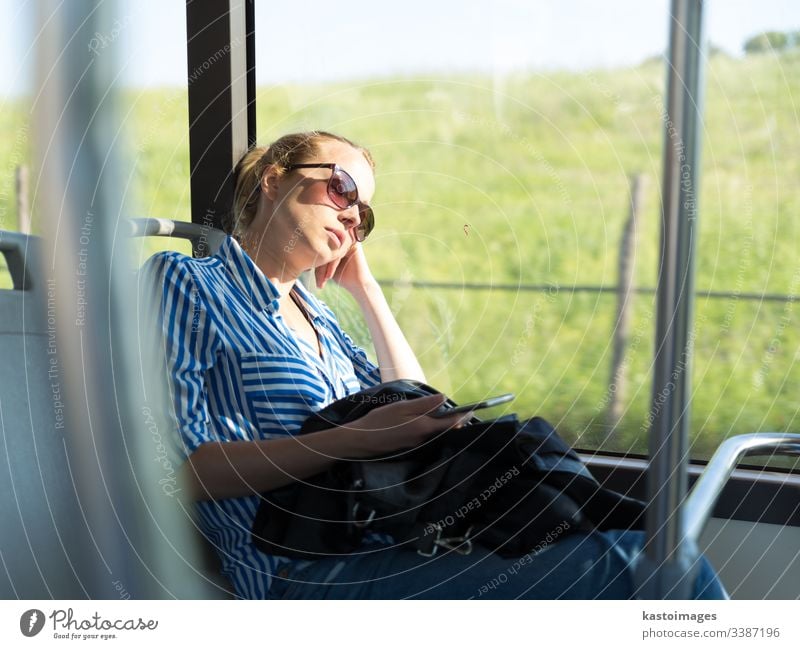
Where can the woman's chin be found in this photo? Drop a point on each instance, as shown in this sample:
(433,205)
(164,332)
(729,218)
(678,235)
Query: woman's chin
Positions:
(339,253)
(323,259)
(327,253)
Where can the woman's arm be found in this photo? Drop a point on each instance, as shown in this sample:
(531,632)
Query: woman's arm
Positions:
(233,469)
(396,359)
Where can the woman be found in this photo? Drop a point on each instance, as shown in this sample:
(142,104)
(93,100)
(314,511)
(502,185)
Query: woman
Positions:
(251,353)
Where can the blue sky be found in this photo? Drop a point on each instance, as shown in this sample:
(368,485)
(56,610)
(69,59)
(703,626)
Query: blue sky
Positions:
(353,39)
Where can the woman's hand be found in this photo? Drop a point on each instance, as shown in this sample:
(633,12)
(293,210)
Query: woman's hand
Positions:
(351,271)
(396,359)
(397,426)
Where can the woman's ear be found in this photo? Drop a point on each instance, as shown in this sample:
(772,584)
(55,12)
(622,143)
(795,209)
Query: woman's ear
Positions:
(269,182)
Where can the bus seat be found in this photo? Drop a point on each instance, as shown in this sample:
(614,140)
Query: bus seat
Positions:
(43,535)
(206,240)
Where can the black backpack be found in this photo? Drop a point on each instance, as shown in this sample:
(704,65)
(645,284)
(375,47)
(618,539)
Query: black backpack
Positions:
(511,486)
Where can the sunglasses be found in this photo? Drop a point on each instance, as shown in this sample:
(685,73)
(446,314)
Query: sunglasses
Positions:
(343,191)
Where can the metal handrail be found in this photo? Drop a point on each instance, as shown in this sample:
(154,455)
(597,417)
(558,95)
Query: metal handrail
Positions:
(204,238)
(700,503)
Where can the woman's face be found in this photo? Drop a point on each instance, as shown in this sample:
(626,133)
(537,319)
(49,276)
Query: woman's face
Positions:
(309,227)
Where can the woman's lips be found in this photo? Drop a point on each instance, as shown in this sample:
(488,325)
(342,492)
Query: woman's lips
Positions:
(337,236)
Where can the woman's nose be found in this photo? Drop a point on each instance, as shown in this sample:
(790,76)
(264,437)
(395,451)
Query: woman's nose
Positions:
(351,217)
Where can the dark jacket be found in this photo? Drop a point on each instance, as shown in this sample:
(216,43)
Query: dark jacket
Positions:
(512,486)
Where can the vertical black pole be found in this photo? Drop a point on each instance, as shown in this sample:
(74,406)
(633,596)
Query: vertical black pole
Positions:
(220,40)
(250,39)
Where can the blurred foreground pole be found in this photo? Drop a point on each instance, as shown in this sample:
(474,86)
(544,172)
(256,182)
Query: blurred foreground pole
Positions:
(134,542)
(665,571)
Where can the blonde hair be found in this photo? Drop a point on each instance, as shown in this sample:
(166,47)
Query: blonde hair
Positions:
(283,153)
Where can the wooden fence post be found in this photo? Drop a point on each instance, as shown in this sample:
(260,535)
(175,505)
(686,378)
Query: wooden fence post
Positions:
(21,189)
(625,291)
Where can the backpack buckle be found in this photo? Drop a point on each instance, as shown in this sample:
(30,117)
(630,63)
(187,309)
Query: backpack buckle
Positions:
(460,544)
(363,523)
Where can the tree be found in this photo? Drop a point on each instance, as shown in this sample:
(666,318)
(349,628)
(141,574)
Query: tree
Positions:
(766,42)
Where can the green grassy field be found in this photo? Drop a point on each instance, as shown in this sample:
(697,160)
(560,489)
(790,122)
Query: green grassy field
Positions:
(524,180)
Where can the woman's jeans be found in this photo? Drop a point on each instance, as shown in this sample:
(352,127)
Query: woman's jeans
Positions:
(580,566)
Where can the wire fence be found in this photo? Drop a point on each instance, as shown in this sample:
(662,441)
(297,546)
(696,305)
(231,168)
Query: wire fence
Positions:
(578,288)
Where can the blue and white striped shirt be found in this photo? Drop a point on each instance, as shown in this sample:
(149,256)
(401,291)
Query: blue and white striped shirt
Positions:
(237,372)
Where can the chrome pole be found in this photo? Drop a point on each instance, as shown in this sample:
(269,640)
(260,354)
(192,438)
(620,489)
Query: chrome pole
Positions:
(665,569)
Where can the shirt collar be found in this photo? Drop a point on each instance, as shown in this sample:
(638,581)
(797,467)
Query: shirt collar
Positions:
(309,301)
(247,276)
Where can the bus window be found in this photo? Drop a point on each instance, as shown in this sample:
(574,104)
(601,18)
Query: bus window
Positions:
(513,149)
(15,126)
(746,375)
(153,39)
(506,148)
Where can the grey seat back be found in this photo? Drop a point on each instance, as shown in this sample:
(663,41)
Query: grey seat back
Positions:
(206,240)
(42,534)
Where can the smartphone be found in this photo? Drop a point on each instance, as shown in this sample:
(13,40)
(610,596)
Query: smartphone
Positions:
(477,405)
